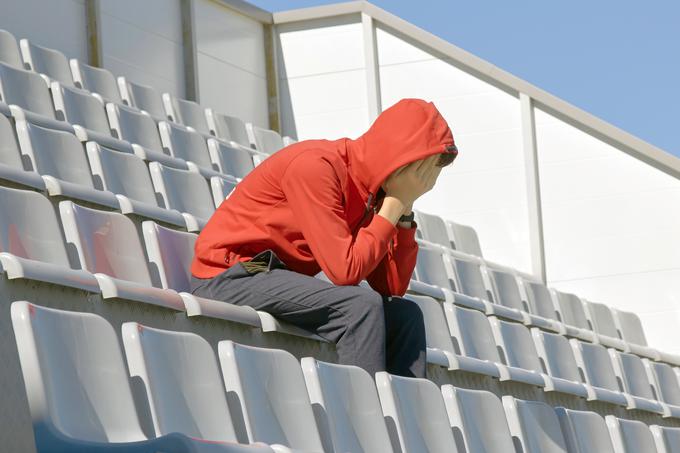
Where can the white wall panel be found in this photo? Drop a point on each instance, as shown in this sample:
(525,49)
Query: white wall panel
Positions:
(611,224)
(485,188)
(142,40)
(59,24)
(322,82)
(231,63)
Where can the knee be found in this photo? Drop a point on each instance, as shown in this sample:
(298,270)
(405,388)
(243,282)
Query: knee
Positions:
(370,306)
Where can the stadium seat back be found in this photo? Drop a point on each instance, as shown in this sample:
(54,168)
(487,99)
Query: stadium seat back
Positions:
(596,364)
(9,50)
(96,80)
(221,188)
(630,436)
(517,345)
(557,355)
(506,290)
(477,418)
(134,126)
(436,330)
(535,425)
(54,153)
(185,144)
(584,431)
(540,300)
(230,128)
(430,268)
(347,397)
(265,140)
(572,311)
(434,229)
(143,97)
(121,173)
(630,327)
(633,374)
(270,388)
(74,374)
(183,190)
(465,239)
(230,161)
(603,319)
(25,89)
(666,382)
(473,333)
(9,150)
(183,382)
(415,413)
(188,113)
(471,279)
(171,251)
(30,233)
(106,242)
(667,439)
(49,62)
(79,107)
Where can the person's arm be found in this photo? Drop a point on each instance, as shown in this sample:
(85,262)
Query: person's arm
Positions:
(392,276)
(314,193)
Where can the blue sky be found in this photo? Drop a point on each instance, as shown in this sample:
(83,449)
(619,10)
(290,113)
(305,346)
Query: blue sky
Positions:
(619,60)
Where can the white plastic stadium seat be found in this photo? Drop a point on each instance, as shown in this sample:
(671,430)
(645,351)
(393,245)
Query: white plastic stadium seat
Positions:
(95,80)
(186,144)
(108,246)
(630,328)
(87,115)
(602,320)
(272,395)
(86,406)
(474,338)
(595,365)
(11,166)
(60,158)
(630,371)
(630,436)
(230,160)
(433,229)
(584,431)
(665,384)
(142,97)
(348,405)
(185,191)
(9,50)
(572,313)
(667,439)
(188,113)
(229,128)
(140,129)
(221,188)
(415,414)
(49,62)
(31,245)
(465,238)
(557,358)
(183,382)
(265,140)
(535,425)
(29,93)
(519,351)
(128,177)
(470,413)
(170,252)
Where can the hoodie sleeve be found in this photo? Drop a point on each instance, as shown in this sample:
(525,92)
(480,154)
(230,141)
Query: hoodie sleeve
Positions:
(391,277)
(314,192)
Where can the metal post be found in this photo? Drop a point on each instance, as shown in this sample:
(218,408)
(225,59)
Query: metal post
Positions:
(372,67)
(271,68)
(190,51)
(533,187)
(93,30)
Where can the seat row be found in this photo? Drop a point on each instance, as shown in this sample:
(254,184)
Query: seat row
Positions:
(267,397)
(57,162)
(500,291)
(18,85)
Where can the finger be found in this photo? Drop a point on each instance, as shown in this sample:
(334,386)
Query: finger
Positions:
(422,166)
(427,165)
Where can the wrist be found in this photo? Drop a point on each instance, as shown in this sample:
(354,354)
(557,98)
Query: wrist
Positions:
(392,209)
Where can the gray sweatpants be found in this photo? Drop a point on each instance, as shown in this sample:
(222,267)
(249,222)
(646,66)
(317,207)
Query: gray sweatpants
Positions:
(375,332)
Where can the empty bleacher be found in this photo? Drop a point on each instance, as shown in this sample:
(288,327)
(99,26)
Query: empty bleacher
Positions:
(104,184)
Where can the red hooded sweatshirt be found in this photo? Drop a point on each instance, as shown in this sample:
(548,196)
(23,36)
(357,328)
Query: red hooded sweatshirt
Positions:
(312,203)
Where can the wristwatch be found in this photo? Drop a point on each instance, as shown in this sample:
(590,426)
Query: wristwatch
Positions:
(408,218)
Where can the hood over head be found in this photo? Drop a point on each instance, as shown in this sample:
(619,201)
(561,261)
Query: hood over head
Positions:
(410,130)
